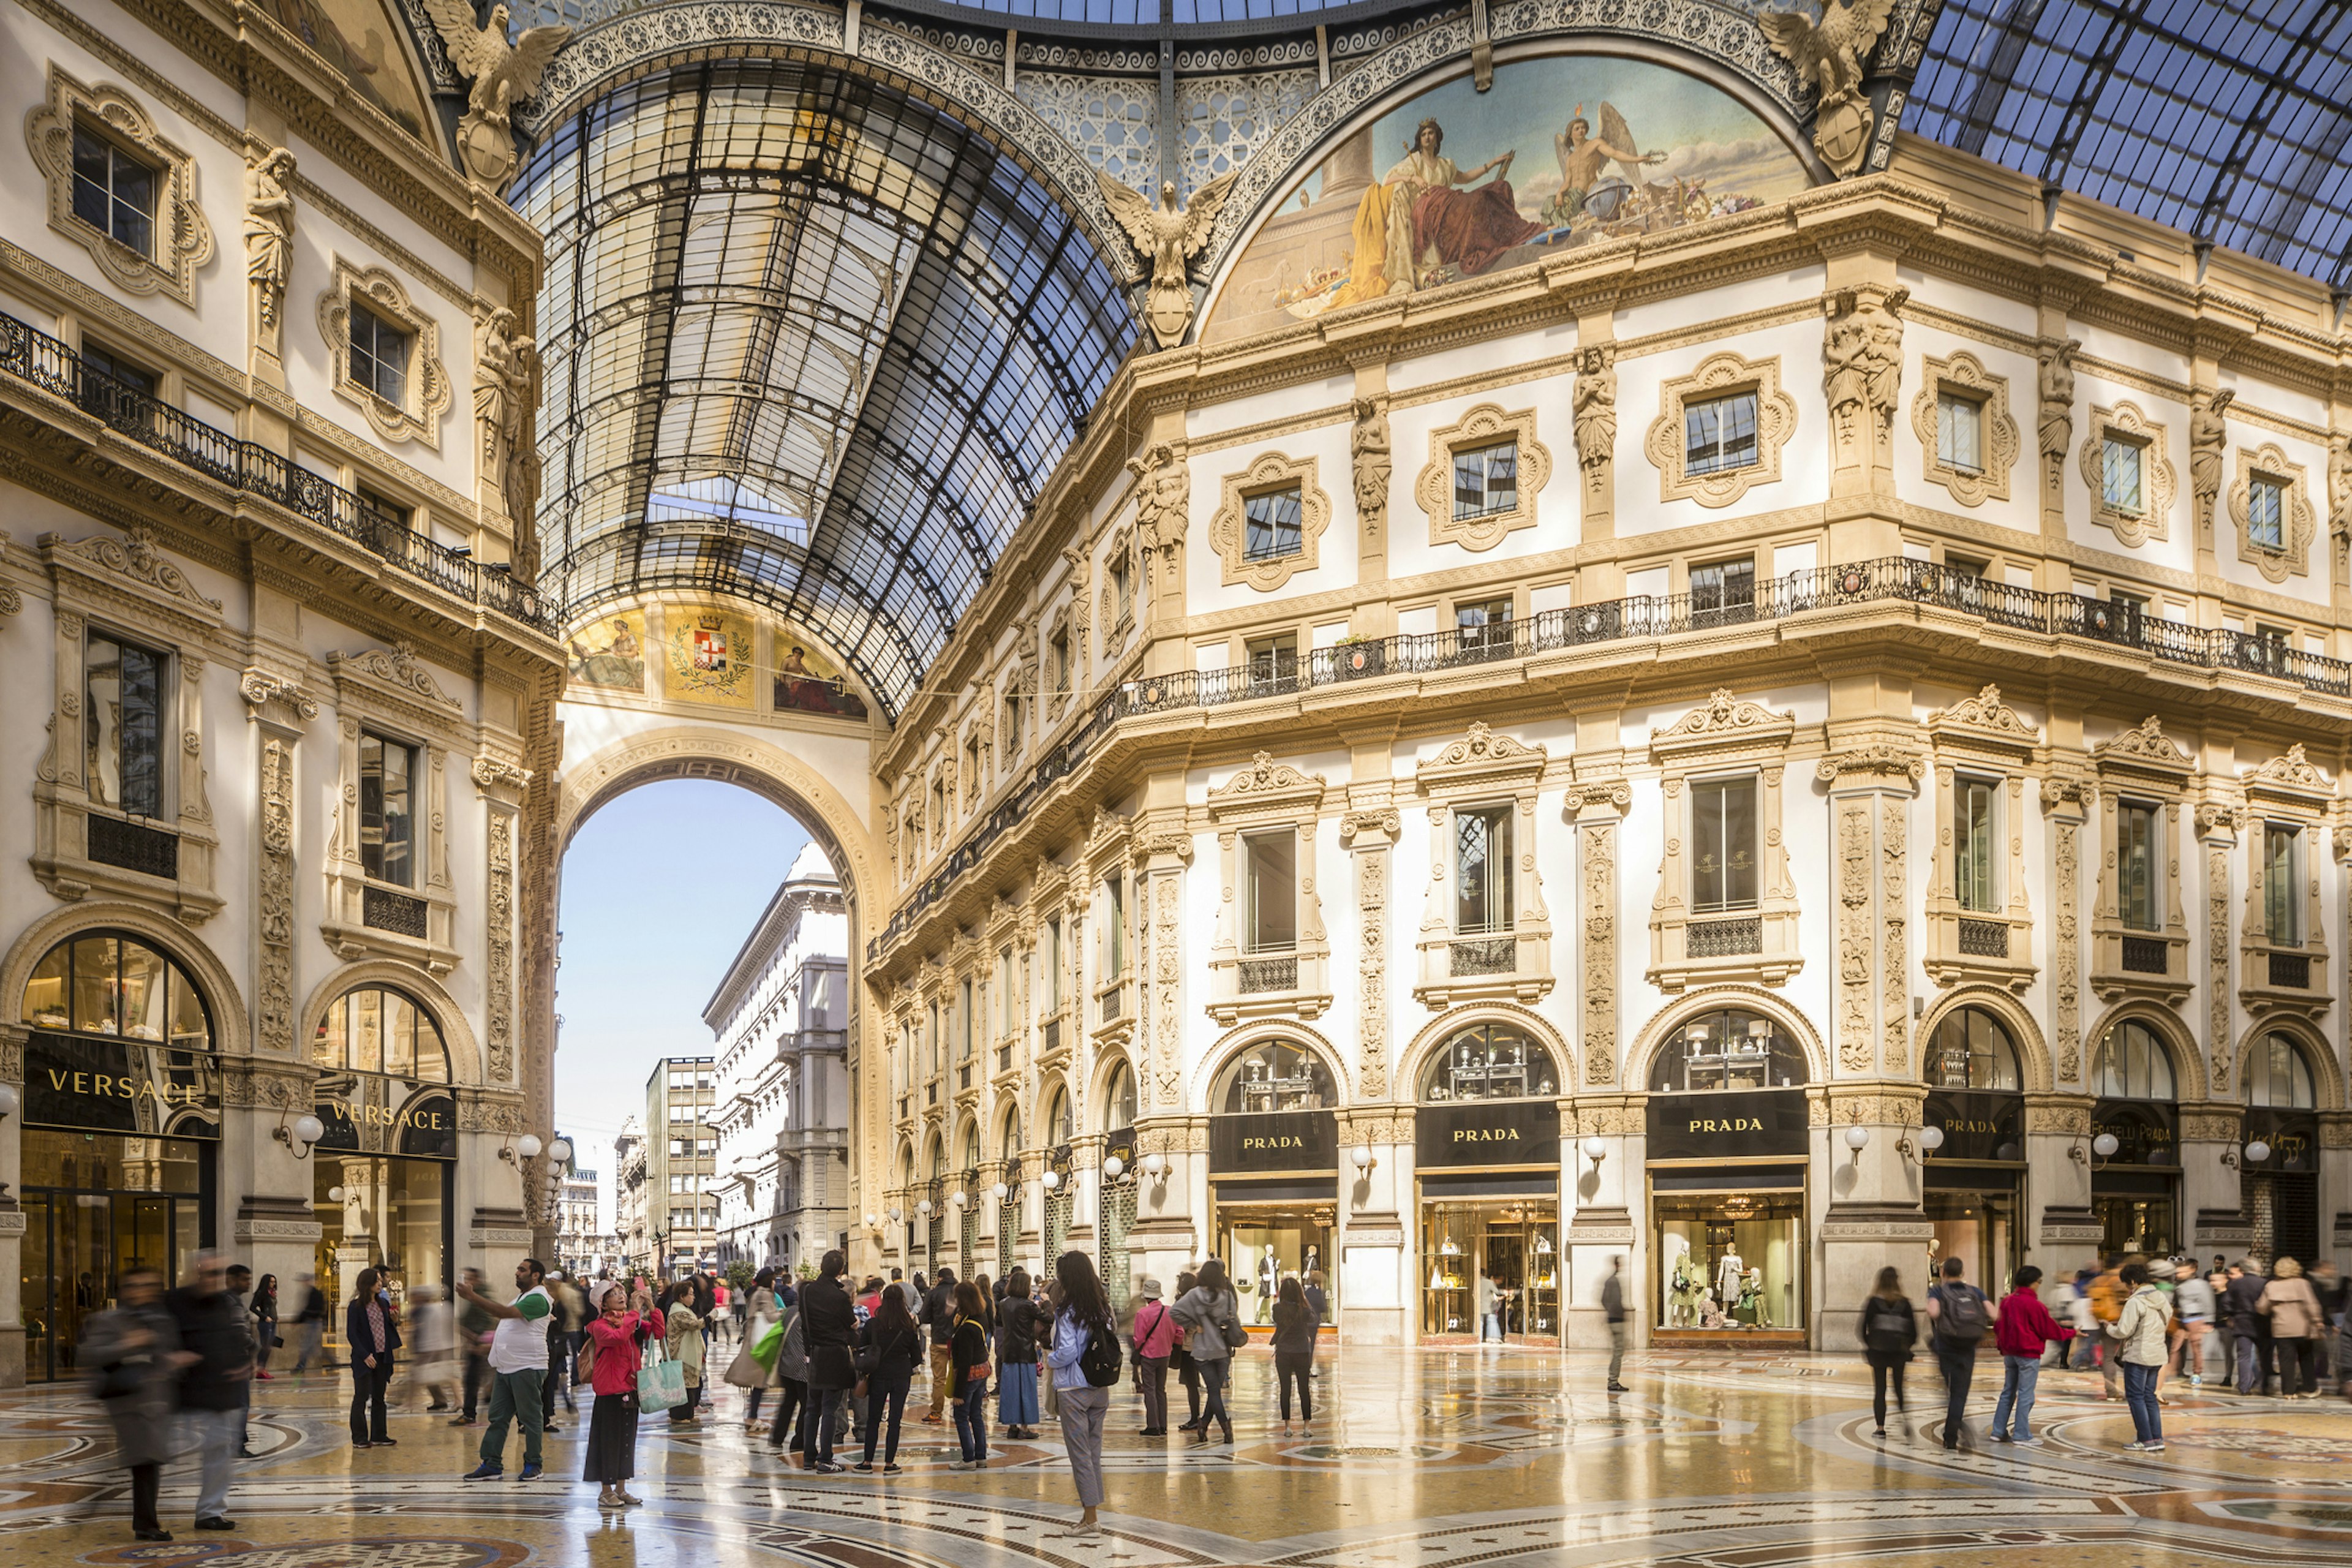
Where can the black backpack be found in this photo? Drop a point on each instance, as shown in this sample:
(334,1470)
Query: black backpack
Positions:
(1101,1360)
(1962,1319)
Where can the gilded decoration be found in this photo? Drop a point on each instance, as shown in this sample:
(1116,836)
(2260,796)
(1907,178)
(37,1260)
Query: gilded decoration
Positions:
(425,394)
(2296,524)
(2158,479)
(1721,374)
(1963,375)
(1487,424)
(181,240)
(1229,532)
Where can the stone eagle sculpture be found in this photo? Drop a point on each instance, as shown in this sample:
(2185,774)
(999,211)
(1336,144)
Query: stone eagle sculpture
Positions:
(504,74)
(1169,237)
(1830,55)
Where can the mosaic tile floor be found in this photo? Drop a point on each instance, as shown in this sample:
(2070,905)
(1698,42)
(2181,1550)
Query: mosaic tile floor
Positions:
(1418,1460)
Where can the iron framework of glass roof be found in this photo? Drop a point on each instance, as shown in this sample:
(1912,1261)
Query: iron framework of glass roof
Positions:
(2227,120)
(808,341)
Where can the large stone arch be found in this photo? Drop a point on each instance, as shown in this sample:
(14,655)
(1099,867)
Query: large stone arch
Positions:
(232,1026)
(465,1051)
(2328,1075)
(2189,1079)
(1414,1059)
(2036,1068)
(1667,1024)
(1212,1060)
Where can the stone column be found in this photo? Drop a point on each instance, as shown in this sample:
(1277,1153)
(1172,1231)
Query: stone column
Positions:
(1606,1225)
(2060,1231)
(2214,1213)
(1378,1296)
(12,1213)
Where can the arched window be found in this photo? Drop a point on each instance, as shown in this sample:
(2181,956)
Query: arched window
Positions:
(2133,1064)
(1733,1048)
(377,1030)
(2278,1074)
(938,1160)
(1011,1146)
(1057,1118)
(968,1147)
(1491,1061)
(1971,1049)
(114,985)
(1275,1075)
(1119,1099)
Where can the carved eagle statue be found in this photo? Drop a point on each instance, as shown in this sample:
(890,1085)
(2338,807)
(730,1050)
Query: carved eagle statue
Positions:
(1829,55)
(1169,237)
(503,73)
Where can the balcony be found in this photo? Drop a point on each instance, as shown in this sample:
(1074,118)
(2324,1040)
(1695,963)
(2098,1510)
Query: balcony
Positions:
(1724,938)
(1272,982)
(32,356)
(2291,971)
(1486,966)
(1252,975)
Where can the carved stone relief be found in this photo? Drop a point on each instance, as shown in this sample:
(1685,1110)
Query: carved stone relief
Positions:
(1855,956)
(498,982)
(274,1003)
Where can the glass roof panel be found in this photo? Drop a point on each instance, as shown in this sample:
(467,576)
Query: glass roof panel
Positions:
(808,341)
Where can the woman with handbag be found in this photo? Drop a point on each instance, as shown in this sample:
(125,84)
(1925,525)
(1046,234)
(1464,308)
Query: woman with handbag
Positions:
(685,1347)
(1207,1315)
(264,1308)
(891,1350)
(614,1364)
(134,1358)
(371,1334)
(967,1369)
(2296,1321)
(1155,1342)
(1017,1326)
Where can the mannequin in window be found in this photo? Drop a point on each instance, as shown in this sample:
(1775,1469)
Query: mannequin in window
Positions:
(1728,1276)
(1683,1299)
(1269,1282)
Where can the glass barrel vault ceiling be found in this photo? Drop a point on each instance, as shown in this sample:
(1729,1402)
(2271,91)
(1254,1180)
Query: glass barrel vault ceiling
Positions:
(808,341)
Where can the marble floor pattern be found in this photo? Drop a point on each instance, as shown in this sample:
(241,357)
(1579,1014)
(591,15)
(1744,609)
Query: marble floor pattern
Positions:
(1427,1458)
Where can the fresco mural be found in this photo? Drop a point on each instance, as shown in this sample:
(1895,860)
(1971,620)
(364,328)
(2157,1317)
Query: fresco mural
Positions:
(611,652)
(706,658)
(808,682)
(1563,151)
(357,38)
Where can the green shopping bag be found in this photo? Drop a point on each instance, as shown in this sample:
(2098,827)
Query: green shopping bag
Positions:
(770,1345)
(661,1382)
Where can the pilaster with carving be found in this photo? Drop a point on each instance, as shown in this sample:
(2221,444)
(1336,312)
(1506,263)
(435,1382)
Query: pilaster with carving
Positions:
(1597,805)
(2064,798)
(2216,833)
(1870,785)
(1370,833)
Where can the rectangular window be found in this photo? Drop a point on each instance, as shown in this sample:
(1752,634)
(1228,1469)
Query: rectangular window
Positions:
(115,389)
(1013,726)
(1114,929)
(938,1059)
(1273,662)
(1723,845)
(2266,501)
(2281,906)
(387,822)
(382,509)
(123,733)
(1719,434)
(114,192)
(2119,484)
(1054,966)
(1482,870)
(1062,662)
(2135,858)
(1484,626)
(1270,907)
(1960,433)
(963,1021)
(1272,529)
(1004,992)
(379,356)
(1973,860)
(1486,480)
(1120,596)
(1723,592)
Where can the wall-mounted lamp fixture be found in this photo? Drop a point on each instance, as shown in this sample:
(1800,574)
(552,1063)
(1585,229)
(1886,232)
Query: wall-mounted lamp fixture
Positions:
(8,1100)
(955,1200)
(523,1147)
(924,1208)
(1362,1157)
(306,1132)
(2258,1151)
(335,1195)
(1595,1149)
(999,1191)
(1857,1138)
(896,1215)
(1052,1179)
(873,1223)
(1930,1139)
(1155,1165)
(1112,1167)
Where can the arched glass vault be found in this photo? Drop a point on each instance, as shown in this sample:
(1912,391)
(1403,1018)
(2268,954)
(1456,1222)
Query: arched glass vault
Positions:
(807,341)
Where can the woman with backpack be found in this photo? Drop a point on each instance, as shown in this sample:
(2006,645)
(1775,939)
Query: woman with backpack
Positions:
(1085,1360)
(1888,1329)
(1155,1340)
(1018,1323)
(890,1349)
(1207,1315)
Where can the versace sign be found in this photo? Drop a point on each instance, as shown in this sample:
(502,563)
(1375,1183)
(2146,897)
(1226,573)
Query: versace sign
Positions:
(120,1086)
(1487,1132)
(1731,1124)
(1274,1140)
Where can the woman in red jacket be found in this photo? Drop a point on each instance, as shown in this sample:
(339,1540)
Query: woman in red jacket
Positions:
(613,1422)
(2024,1329)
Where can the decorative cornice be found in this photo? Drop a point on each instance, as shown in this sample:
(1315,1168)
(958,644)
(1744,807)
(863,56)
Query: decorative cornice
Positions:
(1725,717)
(399,667)
(2146,745)
(1266,785)
(1877,761)
(134,558)
(1481,751)
(2293,773)
(1987,714)
(261,688)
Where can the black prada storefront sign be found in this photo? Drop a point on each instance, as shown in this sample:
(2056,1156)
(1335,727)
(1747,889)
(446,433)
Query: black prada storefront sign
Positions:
(1978,1124)
(1487,1132)
(1730,1124)
(1274,1140)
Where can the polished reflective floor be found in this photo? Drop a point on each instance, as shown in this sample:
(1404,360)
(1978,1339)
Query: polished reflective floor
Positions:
(1416,1458)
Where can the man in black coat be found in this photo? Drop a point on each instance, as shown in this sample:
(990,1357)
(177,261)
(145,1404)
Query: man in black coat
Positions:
(2249,1328)
(829,1335)
(214,1383)
(938,1316)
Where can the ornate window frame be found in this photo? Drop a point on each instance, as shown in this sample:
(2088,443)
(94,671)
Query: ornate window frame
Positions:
(1482,768)
(1483,425)
(1120,570)
(1111,854)
(1228,534)
(2158,480)
(1983,737)
(2290,790)
(1964,373)
(184,235)
(2297,524)
(1719,376)
(127,585)
(1268,795)
(427,393)
(2144,763)
(1723,735)
(394,694)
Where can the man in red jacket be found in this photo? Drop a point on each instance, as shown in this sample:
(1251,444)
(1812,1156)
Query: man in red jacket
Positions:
(2024,1329)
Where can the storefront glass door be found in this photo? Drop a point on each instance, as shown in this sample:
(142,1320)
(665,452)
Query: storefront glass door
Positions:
(1511,1243)
(80,1235)
(1264,1243)
(1979,1228)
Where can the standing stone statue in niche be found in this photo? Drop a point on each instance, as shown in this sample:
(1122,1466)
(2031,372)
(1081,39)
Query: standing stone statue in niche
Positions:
(2054,383)
(2209,441)
(269,233)
(503,360)
(1168,237)
(1367,447)
(2339,493)
(504,75)
(1596,410)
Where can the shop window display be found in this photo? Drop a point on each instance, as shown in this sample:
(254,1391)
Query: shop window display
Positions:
(1731,1260)
(1275,1075)
(1731,1049)
(1490,1061)
(1266,1243)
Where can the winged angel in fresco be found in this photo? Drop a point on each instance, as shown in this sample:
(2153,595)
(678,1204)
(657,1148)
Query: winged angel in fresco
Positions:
(1169,237)
(1829,55)
(504,74)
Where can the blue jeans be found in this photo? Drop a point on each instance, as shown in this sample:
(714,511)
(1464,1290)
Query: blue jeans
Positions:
(971,1420)
(213,1435)
(2139,1393)
(2019,1375)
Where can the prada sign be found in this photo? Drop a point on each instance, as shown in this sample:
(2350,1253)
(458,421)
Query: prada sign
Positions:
(134,1086)
(1274,1140)
(2292,1135)
(1728,1124)
(2148,1131)
(1978,1124)
(1487,1132)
